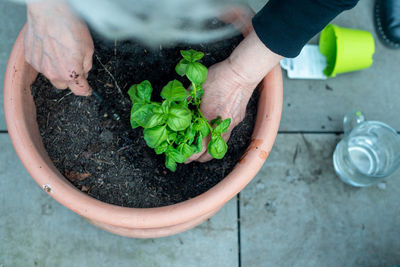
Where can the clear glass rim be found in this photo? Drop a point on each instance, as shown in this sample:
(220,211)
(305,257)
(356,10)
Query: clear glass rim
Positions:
(385,126)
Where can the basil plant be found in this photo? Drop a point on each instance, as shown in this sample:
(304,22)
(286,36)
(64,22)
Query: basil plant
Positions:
(176,127)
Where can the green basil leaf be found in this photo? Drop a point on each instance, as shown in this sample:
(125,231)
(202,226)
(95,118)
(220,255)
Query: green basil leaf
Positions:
(196,73)
(174,91)
(135,107)
(140,93)
(172,136)
(179,118)
(154,120)
(158,108)
(198,145)
(170,163)
(216,121)
(184,103)
(134,124)
(202,126)
(191,135)
(223,126)
(186,150)
(175,154)
(155,136)
(217,147)
(181,67)
(165,106)
(161,148)
(188,135)
(180,138)
(144,115)
(131,93)
(192,55)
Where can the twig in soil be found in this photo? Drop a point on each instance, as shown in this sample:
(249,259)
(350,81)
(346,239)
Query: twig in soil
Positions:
(101,161)
(90,189)
(123,148)
(109,73)
(59,100)
(55,140)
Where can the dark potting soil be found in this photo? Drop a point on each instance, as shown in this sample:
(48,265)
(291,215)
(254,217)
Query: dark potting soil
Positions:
(106,158)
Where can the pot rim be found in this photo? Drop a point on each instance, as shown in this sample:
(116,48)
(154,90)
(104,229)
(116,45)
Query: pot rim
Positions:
(24,134)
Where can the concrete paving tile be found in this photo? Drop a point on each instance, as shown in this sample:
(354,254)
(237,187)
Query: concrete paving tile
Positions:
(12,19)
(321,105)
(37,231)
(296,212)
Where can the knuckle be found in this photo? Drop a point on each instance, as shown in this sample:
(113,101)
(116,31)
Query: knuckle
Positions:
(88,66)
(31,62)
(238,120)
(28,58)
(59,84)
(50,75)
(90,51)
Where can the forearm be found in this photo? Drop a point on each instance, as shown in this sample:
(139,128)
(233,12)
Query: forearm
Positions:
(34,8)
(252,60)
(285,26)
(48,11)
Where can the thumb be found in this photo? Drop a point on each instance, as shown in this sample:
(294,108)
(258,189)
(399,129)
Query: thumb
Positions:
(194,157)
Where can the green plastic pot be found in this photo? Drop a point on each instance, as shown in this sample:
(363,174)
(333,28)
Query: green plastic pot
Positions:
(346,49)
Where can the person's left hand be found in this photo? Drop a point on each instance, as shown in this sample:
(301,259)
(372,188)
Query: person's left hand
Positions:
(226,94)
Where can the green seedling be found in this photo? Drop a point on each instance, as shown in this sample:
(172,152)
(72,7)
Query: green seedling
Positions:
(176,127)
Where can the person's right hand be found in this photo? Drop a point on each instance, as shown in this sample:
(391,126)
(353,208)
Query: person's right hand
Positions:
(59,45)
(230,84)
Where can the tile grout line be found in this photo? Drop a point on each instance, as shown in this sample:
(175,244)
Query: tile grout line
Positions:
(238,229)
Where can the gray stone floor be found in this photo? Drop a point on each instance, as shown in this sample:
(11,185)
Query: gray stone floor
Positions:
(295,212)
(11,22)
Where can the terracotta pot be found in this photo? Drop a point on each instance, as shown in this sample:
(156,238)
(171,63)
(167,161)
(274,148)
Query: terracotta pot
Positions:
(20,115)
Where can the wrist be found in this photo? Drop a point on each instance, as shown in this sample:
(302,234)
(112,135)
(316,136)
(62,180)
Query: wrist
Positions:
(48,10)
(252,60)
(37,7)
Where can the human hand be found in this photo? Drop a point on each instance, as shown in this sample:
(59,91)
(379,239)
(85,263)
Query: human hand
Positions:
(230,84)
(226,95)
(59,45)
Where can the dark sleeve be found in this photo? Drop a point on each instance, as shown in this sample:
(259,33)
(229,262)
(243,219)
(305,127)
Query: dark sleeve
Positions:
(285,26)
